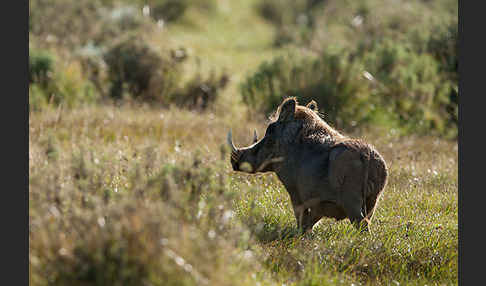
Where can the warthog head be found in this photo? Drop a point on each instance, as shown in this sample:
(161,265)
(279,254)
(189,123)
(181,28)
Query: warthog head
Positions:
(266,154)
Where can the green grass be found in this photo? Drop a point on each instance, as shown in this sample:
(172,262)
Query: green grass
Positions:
(90,166)
(235,39)
(131,194)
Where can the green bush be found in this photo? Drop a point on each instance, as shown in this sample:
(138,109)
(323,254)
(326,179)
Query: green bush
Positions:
(38,99)
(408,52)
(136,69)
(443,46)
(108,40)
(41,64)
(80,32)
(56,82)
(335,82)
(412,86)
(390,85)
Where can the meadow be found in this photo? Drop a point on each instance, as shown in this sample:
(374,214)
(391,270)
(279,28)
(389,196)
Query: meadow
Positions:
(139,190)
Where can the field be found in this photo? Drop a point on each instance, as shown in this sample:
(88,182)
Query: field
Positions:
(134,193)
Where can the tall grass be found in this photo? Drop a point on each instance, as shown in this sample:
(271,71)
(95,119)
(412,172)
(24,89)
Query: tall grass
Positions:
(109,204)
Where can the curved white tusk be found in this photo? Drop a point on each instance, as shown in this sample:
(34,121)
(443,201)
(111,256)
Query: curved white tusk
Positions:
(230,142)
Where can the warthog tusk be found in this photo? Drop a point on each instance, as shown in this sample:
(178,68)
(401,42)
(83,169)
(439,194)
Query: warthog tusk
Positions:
(230,142)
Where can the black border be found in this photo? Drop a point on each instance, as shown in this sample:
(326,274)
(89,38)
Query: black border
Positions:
(15,122)
(471,49)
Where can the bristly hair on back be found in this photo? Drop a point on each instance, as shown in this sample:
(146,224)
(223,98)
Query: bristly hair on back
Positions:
(314,128)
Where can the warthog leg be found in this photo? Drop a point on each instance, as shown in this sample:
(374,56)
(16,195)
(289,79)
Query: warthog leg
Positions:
(307,214)
(346,177)
(311,211)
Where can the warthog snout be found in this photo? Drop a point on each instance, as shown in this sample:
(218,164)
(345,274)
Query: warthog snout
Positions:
(243,159)
(235,153)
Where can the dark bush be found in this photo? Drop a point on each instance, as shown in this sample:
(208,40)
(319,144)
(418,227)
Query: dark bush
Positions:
(168,10)
(173,10)
(443,46)
(135,68)
(41,66)
(200,93)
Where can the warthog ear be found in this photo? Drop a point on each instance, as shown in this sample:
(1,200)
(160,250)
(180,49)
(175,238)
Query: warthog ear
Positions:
(312,105)
(287,109)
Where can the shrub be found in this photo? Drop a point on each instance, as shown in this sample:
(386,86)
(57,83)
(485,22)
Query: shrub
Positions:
(390,85)
(172,10)
(41,64)
(108,41)
(52,81)
(443,46)
(134,67)
(335,82)
(38,99)
(168,10)
(80,32)
(136,70)
(200,93)
(412,86)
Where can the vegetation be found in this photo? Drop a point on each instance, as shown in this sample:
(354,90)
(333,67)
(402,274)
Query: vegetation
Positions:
(129,174)
(385,65)
(109,45)
(337,84)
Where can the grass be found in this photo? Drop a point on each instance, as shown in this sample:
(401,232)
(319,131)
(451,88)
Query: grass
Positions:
(89,166)
(236,40)
(130,194)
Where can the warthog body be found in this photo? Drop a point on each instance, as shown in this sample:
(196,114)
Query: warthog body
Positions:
(324,172)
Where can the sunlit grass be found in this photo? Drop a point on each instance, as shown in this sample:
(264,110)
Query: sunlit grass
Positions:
(236,40)
(413,237)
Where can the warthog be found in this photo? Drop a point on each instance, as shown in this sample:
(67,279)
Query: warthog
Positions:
(324,172)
